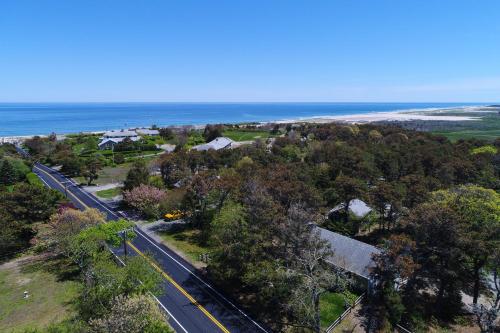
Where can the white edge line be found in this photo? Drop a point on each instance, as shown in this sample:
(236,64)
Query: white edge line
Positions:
(177,262)
(121,261)
(199,279)
(151,294)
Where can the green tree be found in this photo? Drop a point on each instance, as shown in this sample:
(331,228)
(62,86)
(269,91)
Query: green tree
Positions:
(229,236)
(348,189)
(212,132)
(137,175)
(91,169)
(478,210)
(130,315)
(7,173)
(71,166)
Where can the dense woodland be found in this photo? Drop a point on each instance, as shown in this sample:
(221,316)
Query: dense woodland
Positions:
(436,217)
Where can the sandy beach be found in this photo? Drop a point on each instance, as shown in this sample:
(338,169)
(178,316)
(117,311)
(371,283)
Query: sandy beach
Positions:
(448,114)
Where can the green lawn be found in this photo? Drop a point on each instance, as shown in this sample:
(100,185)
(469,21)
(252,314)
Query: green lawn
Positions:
(109,193)
(489,135)
(186,242)
(246,135)
(50,297)
(109,175)
(332,306)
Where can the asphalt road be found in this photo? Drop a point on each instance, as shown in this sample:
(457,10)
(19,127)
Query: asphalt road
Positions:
(192,304)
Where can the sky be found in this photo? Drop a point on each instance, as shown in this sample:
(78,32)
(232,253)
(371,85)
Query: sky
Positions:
(250,50)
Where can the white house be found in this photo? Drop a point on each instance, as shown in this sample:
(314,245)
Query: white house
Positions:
(216,144)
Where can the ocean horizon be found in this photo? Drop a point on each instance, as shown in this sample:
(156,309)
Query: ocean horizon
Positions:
(22,119)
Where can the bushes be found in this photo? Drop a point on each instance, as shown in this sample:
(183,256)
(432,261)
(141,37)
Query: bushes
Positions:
(33,179)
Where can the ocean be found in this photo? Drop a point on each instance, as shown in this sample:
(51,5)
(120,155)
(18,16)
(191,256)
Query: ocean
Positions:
(18,119)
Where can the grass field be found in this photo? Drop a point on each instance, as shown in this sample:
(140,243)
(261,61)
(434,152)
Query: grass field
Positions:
(246,135)
(186,242)
(109,175)
(50,294)
(332,305)
(489,135)
(109,193)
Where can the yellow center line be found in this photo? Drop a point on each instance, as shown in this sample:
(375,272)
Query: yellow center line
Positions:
(155,266)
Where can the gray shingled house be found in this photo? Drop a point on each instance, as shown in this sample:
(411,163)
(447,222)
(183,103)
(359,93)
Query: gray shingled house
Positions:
(351,255)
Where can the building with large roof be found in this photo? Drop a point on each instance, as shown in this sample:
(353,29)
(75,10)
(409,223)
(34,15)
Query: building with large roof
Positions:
(216,144)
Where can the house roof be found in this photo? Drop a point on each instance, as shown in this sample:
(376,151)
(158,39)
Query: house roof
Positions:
(216,144)
(119,134)
(116,140)
(357,207)
(145,131)
(350,254)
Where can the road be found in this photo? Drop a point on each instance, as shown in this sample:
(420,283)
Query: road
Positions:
(192,304)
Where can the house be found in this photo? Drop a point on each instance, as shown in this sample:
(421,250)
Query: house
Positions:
(145,131)
(119,134)
(109,143)
(216,144)
(357,207)
(111,138)
(350,255)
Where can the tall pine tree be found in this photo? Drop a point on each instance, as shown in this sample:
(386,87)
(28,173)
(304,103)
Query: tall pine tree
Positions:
(7,173)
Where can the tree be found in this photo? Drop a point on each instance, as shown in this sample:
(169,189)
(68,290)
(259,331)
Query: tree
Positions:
(478,210)
(394,267)
(348,189)
(196,199)
(137,175)
(212,132)
(435,230)
(67,223)
(387,200)
(71,166)
(131,314)
(174,168)
(7,173)
(315,277)
(166,133)
(229,236)
(104,281)
(146,199)
(91,169)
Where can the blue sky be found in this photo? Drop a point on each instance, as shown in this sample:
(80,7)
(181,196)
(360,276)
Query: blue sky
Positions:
(250,50)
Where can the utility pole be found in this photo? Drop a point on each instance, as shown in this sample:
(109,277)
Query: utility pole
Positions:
(123,234)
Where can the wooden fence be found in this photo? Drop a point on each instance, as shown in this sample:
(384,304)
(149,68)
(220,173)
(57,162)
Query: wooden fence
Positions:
(344,314)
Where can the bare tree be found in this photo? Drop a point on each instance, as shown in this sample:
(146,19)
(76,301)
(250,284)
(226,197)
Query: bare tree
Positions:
(315,277)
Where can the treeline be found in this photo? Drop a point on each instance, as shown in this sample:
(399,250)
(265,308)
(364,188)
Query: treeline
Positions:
(255,205)
(24,203)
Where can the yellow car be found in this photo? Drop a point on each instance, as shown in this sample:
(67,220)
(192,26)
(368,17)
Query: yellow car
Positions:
(174,215)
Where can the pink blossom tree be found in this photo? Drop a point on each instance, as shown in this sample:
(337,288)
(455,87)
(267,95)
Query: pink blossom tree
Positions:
(146,199)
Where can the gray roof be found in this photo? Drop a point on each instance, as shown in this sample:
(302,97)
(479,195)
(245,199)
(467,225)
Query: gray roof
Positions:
(145,131)
(216,144)
(350,254)
(357,207)
(116,140)
(119,134)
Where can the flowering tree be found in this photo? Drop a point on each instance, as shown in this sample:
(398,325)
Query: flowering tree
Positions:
(145,199)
